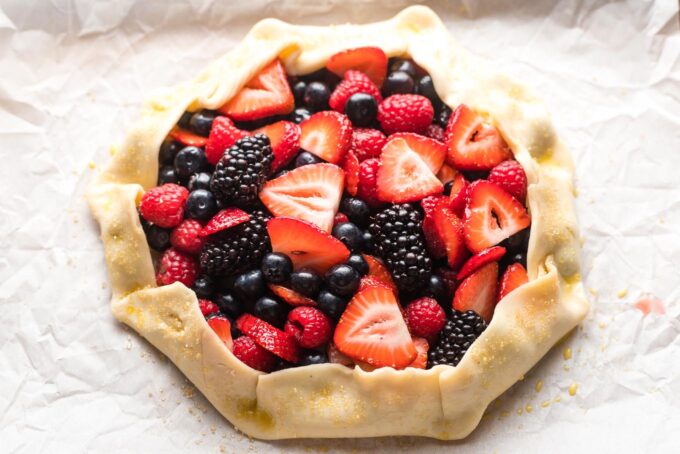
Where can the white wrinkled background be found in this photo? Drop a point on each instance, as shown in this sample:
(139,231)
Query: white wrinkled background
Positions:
(72,75)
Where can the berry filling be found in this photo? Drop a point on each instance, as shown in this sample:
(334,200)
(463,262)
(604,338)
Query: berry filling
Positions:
(345,216)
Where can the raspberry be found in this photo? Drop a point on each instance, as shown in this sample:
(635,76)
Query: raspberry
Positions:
(164,205)
(176,266)
(309,326)
(251,354)
(340,218)
(510,176)
(367,143)
(185,237)
(368,178)
(353,82)
(425,317)
(222,136)
(207,307)
(405,113)
(436,132)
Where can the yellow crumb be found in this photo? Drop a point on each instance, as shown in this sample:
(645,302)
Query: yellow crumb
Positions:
(566,354)
(572,389)
(622,293)
(92,165)
(529,408)
(539,386)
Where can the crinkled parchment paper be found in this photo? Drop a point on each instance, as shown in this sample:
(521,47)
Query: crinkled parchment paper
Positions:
(72,76)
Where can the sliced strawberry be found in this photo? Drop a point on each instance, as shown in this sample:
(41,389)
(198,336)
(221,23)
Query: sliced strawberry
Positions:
(371,61)
(434,240)
(311,193)
(266,94)
(422,347)
(285,139)
(447,174)
(450,229)
(370,281)
(478,292)
(373,330)
(222,136)
(403,175)
(222,327)
(377,270)
(350,164)
(326,134)
(291,296)
(268,337)
(491,215)
(431,151)
(458,196)
(368,181)
(514,276)
(187,138)
(306,244)
(473,144)
(493,254)
(227,218)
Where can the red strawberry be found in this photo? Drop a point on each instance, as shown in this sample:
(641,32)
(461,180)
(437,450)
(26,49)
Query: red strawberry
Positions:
(478,292)
(291,296)
(435,242)
(186,236)
(371,61)
(164,205)
(491,215)
(306,244)
(450,230)
(222,327)
(311,193)
(510,176)
(459,195)
(403,175)
(187,138)
(335,356)
(268,337)
(436,132)
(422,347)
(367,143)
(473,144)
(340,218)
(368,181)
(373,330)
(176,266)
(378,271)
(327,135)
(405,113)
(285,139)
(447,174)
(266,94)
(224,219)
(493,254)
(251,354)
(425,317)
(207,307)
(350,165)
(430,151)
(222,136)
(310,327)
(354,82)
(370,281)
(514,276)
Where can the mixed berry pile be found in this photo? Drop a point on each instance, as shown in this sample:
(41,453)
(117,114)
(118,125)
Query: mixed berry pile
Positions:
(345,216)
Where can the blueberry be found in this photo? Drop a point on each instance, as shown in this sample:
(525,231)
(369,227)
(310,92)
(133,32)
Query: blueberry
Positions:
(519,242)
(190,160)
(313,357)
(520,257)
(476,175)
(331,304)
(271,311)
(299,91)
(356,210)
(342,280)
(299,115)
(425,87)
(184,120)
(201,122)
(405,65)
(158,238)
(316,96)
(398,82)
(276,267)
(359,263)
(361,109)
(438,290)
(168,151)
(167,175)
(350,235)
(447,188)
(199,180)
(442,118)
(250,286)
(305,282)
(201,205)
(305,157)
(228,304)
(204,286)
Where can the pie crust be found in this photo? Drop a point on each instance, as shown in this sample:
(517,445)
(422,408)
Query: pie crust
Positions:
(331,400)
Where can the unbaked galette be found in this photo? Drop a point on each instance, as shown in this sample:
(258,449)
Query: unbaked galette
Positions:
(346,231)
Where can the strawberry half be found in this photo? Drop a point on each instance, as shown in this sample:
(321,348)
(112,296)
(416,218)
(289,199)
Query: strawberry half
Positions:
(373,330)
(222,327)
(227,218)
(311,193)
(266,94)
(491,215)
(350,164)
(378,271)
(371,61)
(447,174)
(326,134)
(187,138)
(291,296)
(514,276)
(222,136)
(422,347)
(403,175)
(433,239)
(478,292)
(268,337)
(306,244)
(431,151)
(285,139)
(450,230)
(459,195)
(473,144)
(493,254)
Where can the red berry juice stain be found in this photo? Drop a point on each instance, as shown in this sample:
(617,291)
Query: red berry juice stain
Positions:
(650,304)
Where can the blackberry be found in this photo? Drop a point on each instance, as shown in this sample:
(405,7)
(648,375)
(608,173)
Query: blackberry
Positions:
(237,249)
(398,239)
(460,331)
(242,171)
